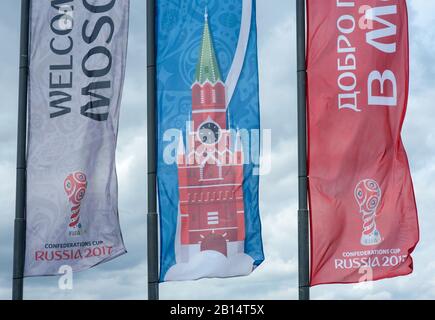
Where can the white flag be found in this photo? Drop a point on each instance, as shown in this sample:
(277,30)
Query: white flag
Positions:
(77,65)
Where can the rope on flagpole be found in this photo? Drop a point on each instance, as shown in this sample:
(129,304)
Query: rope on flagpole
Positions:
(20,204)
(303,213)
(152,216)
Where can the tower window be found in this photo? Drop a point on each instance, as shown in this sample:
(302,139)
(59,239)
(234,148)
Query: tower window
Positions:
(212,218)
(202,96)
(213,95)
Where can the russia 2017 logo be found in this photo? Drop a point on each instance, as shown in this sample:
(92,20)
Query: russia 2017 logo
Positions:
(75,187)
(368,196)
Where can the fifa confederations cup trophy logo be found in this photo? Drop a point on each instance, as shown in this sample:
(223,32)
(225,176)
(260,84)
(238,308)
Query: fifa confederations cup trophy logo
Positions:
(368,196)
(75,187)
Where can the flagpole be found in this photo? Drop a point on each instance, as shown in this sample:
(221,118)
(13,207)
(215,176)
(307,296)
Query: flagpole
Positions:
(20,202)
(152,217)
(303,213)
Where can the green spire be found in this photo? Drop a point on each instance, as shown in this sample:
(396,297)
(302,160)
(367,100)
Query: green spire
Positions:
(207,67)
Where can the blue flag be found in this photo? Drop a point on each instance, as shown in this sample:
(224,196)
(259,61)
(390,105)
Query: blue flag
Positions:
(208,139)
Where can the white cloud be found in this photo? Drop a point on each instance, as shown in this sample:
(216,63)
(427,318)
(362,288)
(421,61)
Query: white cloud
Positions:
(210,264)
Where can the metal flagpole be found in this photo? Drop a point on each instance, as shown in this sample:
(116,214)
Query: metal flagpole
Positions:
(20,204)
(303,213)
(152,219)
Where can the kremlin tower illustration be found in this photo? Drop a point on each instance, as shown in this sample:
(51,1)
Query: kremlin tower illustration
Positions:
(210,168)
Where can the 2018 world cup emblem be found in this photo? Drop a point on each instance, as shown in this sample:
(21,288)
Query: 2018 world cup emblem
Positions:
(368,195)
(75,187)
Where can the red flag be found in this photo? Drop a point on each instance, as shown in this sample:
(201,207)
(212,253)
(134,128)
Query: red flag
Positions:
(363,213)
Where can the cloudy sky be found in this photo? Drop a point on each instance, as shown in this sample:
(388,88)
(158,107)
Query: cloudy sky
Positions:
(125,277)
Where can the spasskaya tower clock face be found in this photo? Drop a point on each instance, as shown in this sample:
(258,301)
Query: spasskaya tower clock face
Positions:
(209,133)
